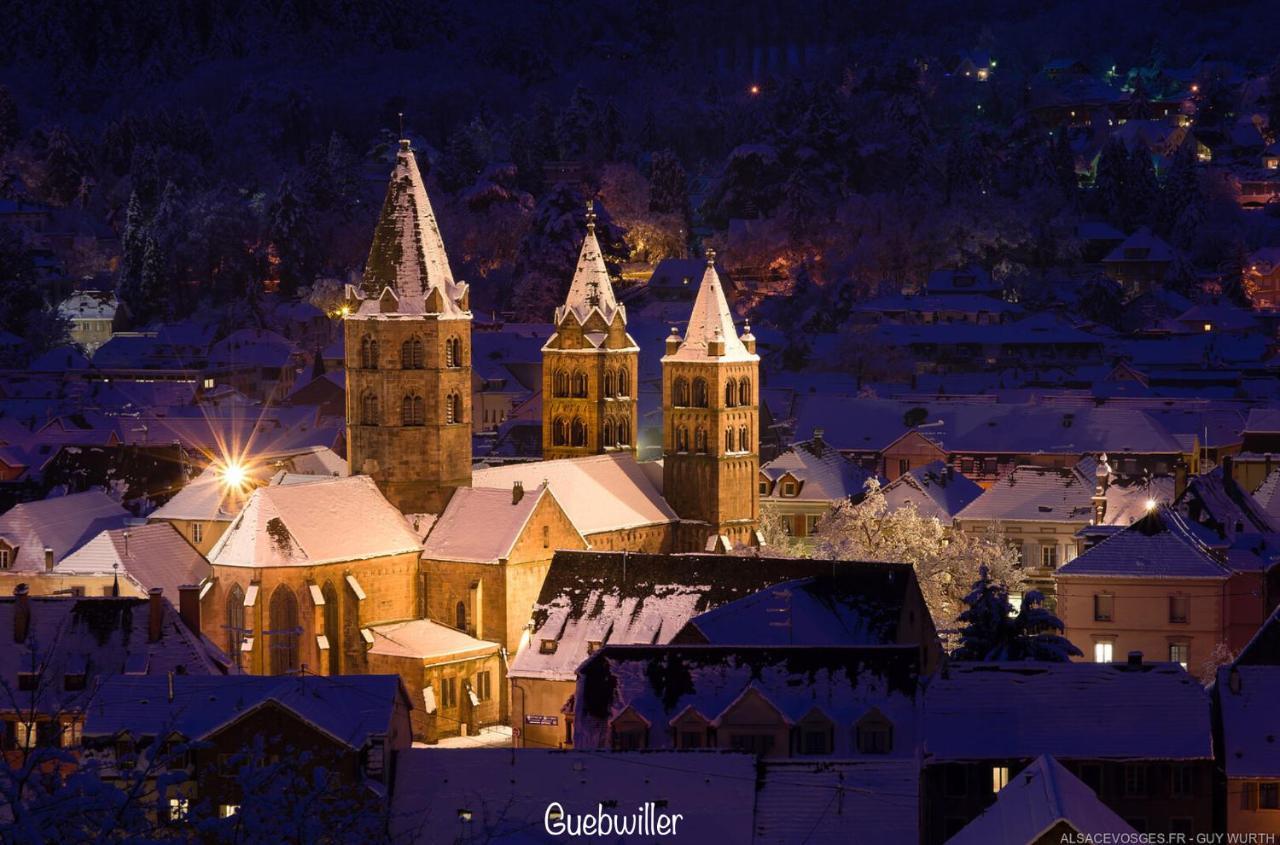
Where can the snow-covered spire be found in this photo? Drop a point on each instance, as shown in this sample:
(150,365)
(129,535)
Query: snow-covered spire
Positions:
(408,254)
(711,334)
(591,289)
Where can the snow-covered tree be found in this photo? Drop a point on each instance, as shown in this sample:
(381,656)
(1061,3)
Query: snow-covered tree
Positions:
(1036,633)
(985,619)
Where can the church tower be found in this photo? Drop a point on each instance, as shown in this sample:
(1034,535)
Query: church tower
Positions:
(589,366)
(408,355)
(710,420)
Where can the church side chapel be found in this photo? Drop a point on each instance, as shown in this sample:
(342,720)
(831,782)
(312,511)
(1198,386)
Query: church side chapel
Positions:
(418,565)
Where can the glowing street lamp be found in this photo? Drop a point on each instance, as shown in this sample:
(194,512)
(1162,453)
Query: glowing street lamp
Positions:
(1151,505)
(753,90)
(234,476)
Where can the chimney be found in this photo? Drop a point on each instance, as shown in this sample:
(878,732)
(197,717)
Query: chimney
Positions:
(155,615)
(189,606)
(1179,479)
(517,492)
(1227,468)
(21,613)
(1135,658)
(818,435)
(48,559)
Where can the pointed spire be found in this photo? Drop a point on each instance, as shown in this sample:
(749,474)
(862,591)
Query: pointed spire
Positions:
(590,289)
(711,334)
(408,254)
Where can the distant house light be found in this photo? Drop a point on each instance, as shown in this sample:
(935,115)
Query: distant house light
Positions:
(1208,327)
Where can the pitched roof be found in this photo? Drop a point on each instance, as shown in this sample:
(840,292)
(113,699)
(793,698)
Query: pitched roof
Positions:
(206,497)
(1142,245)
(713,791)
(1160,545)
(422,638)
(149,555)
(617,597)
(1068,710)
(407,254)
(63,524)
(350,709)
(1037,798)
(1249,728)
(935,489)
(873,802)
(711,321)
(482,525)
(1057,494)
(598,492)
(825,474)
(303,525)
(590,289)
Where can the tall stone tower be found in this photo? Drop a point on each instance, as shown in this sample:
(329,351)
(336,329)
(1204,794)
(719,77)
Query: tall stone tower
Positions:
(710,420)
(589,366)
(408,355)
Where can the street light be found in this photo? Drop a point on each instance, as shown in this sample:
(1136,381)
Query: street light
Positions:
(234,475)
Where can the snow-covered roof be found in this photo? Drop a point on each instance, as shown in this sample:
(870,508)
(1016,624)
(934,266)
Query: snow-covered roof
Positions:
(825,475)
(207,498)
(1141,246)
(1263,421)
(1230,519)
(1160,545)
(1072,711)
(99,636)
(422,638)
(598,493)
(407,257)
(841,684)
(63,523)
(590,289)
(1065,494)
(350,709)
(1247,696)
(340,519)
(153,555)
(1037,798)
(482,524)
(89,305)
(618,597)
(711,322)
(832,802)
(935,489)
(971,279)
(436,789)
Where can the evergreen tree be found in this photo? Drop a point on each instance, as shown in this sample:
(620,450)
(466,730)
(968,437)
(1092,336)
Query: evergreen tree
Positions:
(466,154)
(1181,190)
(577,125)
(668,185)
(290,231)
(9,128)
(985,620)
(1036,633)
(64,169)
(1141,188)
(609,132)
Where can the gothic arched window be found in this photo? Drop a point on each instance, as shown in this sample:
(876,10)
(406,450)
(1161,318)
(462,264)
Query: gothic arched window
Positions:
(235,621)
(332,627)
(608,383)
(729,440)
(699,393)
(453,352)
(578,433)
(282,642)
(682,439)
(369,408)
(624,432)
(453,409)
(368,353)
(559,432)
(744,391)
(411,357)
(579,384)
(680,393)
(730,393)
(412,411)
(700,440)
(460,616)
(560,383)
(608,433)
(744,439)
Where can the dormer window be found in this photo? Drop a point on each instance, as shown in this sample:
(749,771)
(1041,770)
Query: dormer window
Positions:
(547,647)
(6,556)
(874,734)
(593,646)
(790,488)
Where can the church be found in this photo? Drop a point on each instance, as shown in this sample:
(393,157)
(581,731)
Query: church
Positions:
(421,565)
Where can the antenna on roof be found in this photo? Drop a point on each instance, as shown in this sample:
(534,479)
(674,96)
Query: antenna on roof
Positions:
(400,115)
(591,215)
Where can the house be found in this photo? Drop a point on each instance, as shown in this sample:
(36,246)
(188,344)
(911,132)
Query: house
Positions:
(62,647)
(1262,274)
(976,65)
(1044,804)
(131,561)
(590,599)
(808,480)
(1140,262)
(257,362)
(935,490)
(34,536)
(855,702)
(1261,431)
(1098,721)
(92,315)
(676,279)
(191,734)
(1245,696)
(966,280)
(1160,587)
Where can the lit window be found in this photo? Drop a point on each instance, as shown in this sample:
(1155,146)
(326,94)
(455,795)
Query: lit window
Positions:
(226,811)
(1049,557)
(999,778)
(1178,653)
(197,532)
(4,558)
(1103,651)
(208,384)
(547,647)
(178,809)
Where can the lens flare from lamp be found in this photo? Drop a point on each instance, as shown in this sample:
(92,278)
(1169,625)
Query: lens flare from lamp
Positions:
(1151,505)
(234,475)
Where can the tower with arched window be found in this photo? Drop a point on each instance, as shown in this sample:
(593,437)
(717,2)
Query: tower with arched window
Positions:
(408,350)
(589,366)
(711,420)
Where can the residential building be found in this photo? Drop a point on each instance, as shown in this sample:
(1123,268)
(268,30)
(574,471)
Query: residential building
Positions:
(808,480)
(92,315)
(1245,695)
(1141,261)
(35,536)
(131,561)
(935,490)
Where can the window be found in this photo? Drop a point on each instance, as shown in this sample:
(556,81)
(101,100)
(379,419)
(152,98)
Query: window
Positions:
(560,432)
(1103,607)
(460,616)
(966,466)
(368,353)
(700,441)
(990,466)
(178,809)
(1183,781)
(692,739)
(1179,609)
(578,433)
(411,357)
(70,734)
(744,391)
(369,409)
(699,393)
(453,352)
(624,433)
(764,488)
(999,778)
(73,681)
(235,620)
(197,532)
(580,384)
(680,393)
(1248,796)
(744,439)
(752,743)
(629,738)
(1102,651)
(546,536)
(904,466)
(1135,780)
(730,440)
(874,734)
(27,681)
(730,393)
(282,639)
(608,383)
(412,411)
(624,383)
(560,384)
(1269,795)
(811,524)
(1178,653)
(682,439)
(547,647)
(608,433)
(1049,557)
(226,811)
(452,409)
(484,686)
(815,741)
(449,693)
